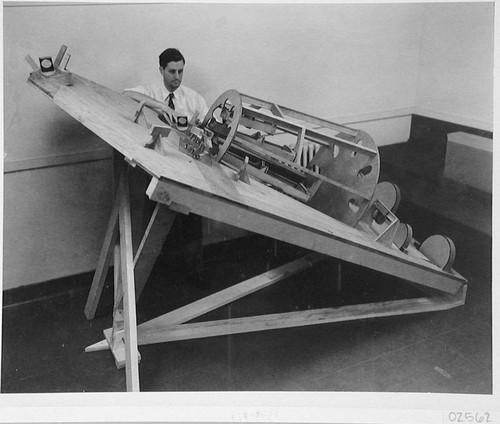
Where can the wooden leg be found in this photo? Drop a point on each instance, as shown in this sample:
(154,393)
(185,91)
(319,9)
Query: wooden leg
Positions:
(148,251)
(115,335)
(127,276)
(118,327)
(122,337)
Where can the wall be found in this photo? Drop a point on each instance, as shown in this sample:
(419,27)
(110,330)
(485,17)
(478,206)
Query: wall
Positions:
(356,61)
(455,81)
(54,221)
(324,59)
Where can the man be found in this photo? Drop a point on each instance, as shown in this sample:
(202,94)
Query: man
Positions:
(171,94)
(187,229)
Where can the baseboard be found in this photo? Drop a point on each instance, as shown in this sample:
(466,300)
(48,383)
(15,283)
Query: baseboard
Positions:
(47,289)
(399,125)
(56,160)
(422,126)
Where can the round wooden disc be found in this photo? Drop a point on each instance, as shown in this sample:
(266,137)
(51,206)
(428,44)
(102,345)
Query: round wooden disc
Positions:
(403,236)
(231,100)
(440,250)
(389,194)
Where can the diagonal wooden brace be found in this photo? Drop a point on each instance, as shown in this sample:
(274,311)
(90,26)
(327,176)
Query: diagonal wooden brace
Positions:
(223,297)
(105,256)
(223,327)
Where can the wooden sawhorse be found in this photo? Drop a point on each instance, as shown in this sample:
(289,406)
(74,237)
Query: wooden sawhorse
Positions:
(132,271)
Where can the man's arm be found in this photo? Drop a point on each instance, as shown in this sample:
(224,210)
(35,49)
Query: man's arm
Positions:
(149,101)
(169,115)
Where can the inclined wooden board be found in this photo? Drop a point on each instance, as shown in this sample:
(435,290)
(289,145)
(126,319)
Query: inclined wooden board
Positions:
(110,115)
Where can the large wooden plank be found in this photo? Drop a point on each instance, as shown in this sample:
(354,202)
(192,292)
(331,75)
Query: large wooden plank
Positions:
(209,193)
(110,116)
(347,246)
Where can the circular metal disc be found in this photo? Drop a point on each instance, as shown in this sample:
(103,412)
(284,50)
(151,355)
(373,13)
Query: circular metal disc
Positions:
(440,250)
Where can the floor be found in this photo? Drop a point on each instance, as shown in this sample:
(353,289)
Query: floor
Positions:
(439,352)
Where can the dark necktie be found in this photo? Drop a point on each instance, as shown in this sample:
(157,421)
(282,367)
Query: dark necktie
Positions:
(171,101)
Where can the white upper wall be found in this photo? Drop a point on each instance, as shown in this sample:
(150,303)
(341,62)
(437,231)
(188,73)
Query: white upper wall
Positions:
(330,60)
(455,81)
(325,59)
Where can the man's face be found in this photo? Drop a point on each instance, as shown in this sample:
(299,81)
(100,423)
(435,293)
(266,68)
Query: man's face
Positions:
(172,75)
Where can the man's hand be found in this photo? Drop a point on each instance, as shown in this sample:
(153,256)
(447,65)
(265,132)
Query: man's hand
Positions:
(169,114)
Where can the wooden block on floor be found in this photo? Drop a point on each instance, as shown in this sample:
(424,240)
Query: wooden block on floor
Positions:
(118,350)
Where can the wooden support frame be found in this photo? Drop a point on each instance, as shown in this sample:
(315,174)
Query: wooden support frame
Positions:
(159,334)
(121,339)
(172,326)
(210,190)
(125,336)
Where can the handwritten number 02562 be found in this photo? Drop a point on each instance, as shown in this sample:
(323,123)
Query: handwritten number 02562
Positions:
(469,417)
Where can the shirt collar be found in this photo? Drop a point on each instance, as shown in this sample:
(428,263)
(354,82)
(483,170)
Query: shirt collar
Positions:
(177,93)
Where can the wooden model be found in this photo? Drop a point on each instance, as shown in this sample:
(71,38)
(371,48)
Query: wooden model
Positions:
(259,166)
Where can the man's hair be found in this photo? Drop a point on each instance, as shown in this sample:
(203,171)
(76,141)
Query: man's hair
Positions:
(170,55)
